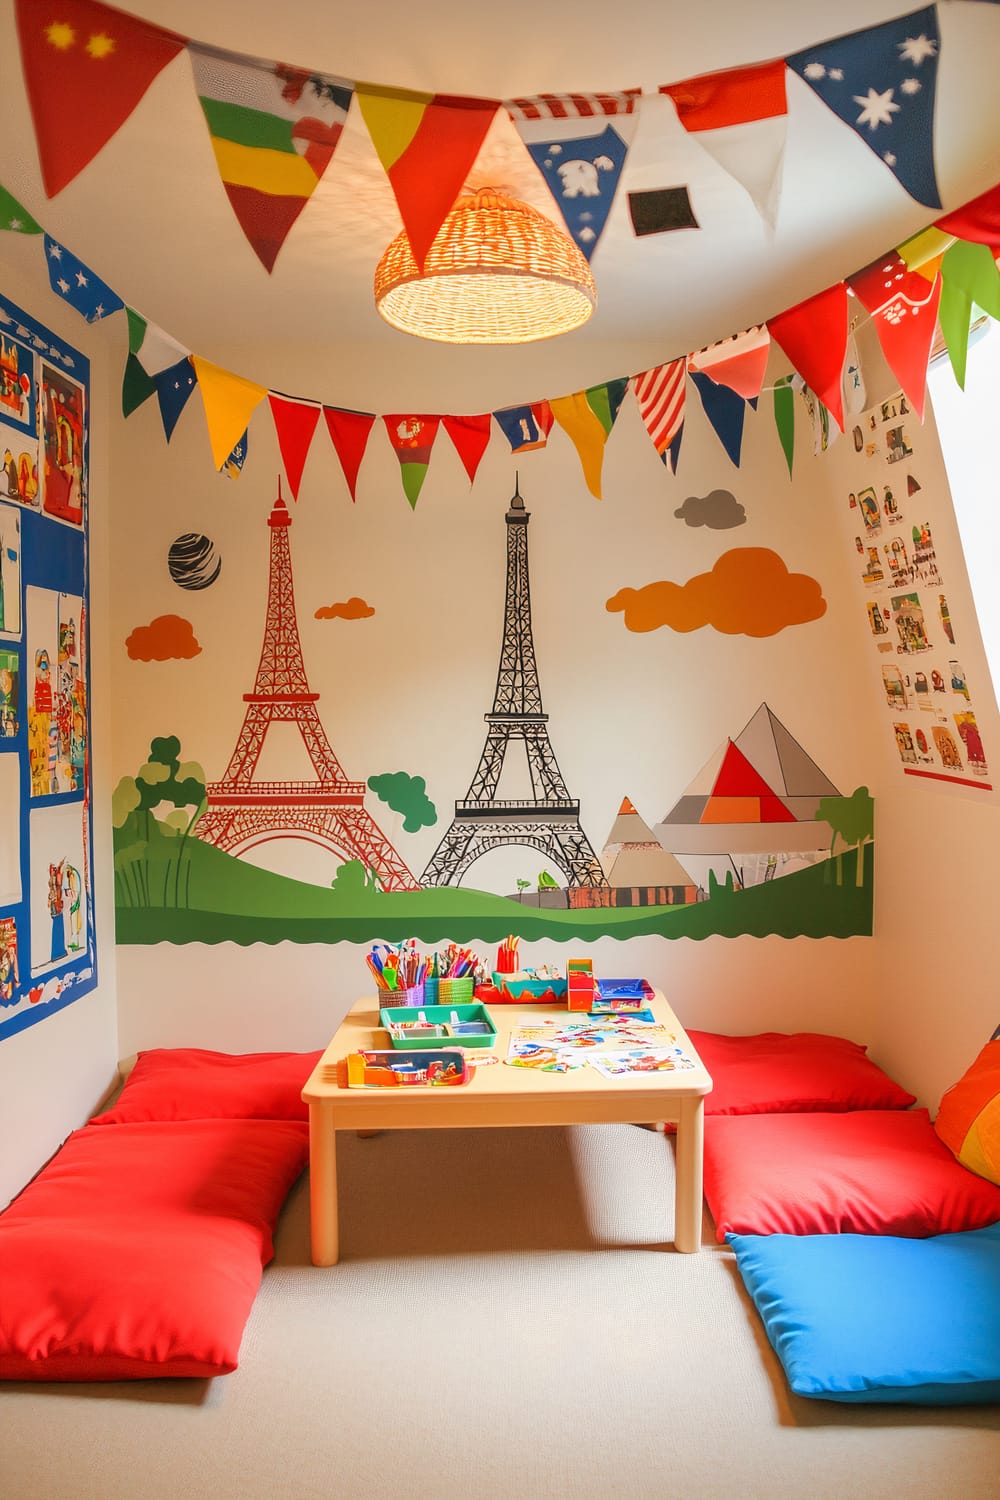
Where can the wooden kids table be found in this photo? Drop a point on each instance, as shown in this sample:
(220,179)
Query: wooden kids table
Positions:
(500,1096)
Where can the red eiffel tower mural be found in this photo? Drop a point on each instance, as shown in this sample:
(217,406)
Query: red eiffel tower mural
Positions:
(243,811)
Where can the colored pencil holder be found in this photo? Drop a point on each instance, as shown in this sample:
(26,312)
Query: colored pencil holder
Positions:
(412,996)
(431,991)
(455,991)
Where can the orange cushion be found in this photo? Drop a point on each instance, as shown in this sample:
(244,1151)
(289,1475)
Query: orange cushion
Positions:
(137,1252)
(968,1120)
(190,1083)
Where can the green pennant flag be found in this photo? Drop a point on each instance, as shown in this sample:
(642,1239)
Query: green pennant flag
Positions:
(150,352)
(969,274)
(15,217)
(784,417)
(137,386)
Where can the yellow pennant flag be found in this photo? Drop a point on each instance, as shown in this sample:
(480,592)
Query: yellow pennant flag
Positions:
(229,402)
(923,252)
(577,418)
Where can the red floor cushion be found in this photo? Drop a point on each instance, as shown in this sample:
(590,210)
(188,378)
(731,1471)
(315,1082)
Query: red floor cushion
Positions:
(862,1172)
(190,1083)
(137,1252)
(778,1071)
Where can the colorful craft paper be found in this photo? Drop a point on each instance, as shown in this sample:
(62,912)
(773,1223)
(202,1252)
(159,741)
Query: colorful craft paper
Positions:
(86,67)
(294,422)
(526,427)
(274,130)
(229,402)
(579,152)
(740,117)
(77,284)
(903,305)
(471,436)
(427,144)
(588,417)
(660,393)
(412,439)
(349,431)
(881,82)
(814,335)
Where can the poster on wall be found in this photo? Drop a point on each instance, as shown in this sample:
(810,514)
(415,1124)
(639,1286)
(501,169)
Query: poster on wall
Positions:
(48,953)
(758,841)
(930,710)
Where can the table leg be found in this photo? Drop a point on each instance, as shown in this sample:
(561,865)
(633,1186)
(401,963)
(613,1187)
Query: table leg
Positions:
(688,1191)
(323,1184)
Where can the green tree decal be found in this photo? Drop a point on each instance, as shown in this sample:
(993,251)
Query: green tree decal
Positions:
(163,779)
(852,820)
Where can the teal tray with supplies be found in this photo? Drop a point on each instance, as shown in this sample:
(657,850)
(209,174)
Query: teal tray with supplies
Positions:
(433,1025)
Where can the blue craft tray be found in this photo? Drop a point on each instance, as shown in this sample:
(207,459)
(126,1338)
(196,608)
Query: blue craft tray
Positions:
(440,1015)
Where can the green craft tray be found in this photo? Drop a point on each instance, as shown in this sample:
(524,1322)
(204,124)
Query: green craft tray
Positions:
(439,1015)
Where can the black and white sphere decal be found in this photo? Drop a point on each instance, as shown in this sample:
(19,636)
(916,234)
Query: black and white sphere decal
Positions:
(193,561)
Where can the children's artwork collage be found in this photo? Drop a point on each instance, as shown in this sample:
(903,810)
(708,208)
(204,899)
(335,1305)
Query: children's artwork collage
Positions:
(930,710)
(47,945)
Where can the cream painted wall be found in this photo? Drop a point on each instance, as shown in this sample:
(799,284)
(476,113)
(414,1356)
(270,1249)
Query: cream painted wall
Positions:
(634,715)
(53,1074)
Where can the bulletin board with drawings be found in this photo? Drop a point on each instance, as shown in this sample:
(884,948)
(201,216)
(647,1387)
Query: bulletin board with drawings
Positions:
(48,955)
(930,706)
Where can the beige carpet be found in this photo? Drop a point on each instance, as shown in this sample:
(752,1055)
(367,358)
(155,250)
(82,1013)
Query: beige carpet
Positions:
(509,1319)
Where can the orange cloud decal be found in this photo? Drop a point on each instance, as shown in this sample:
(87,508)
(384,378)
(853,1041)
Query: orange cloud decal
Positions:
(353,609)
(748,592)
(167,638)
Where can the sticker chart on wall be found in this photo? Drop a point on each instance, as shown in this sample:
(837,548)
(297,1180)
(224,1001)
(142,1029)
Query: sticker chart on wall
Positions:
(760,841)
(47,948)
(930,709)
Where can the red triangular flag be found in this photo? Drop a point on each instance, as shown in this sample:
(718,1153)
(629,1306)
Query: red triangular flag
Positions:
(349,431)
(86,67)
(978,221)
(471,436)
(294,422)
(814,335)
(903,305)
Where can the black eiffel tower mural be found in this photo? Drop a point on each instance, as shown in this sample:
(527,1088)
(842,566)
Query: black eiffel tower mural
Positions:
(548,820)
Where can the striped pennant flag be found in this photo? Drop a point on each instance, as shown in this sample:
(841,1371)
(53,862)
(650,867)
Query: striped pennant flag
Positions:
(274,130)
(660,394)
(579,152)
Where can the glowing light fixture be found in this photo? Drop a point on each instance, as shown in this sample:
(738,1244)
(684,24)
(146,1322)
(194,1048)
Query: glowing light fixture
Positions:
(498,272)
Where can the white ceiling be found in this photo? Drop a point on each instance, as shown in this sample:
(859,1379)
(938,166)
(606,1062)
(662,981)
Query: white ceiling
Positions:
(150,216)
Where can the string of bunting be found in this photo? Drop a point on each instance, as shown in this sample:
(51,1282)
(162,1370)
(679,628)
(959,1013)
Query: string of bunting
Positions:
(936,278)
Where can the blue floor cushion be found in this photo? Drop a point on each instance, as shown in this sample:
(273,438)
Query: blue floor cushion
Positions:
(876,1318)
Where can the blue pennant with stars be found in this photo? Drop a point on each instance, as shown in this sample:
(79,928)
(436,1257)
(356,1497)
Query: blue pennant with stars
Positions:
(582,175)
(76,283)
(173,387)
(881,82)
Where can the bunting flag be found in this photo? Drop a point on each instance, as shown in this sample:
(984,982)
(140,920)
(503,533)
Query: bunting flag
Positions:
(738,362)
(814,334)
(881,82)
(233,467)
(150,351)
(924,252)
(173,390)
(578,152)
(819,417)
(471,436)
(427,144)
(294,422)
(724,409)
(15,217)
(76,283)
(588,417)
(740,117)
(853,385)
(978,220)
(525,427)
(660,396)
(904,308)
(229,402)
(86,67)
(969,276)
(273,131)
(349,431)
(412,439)
(784,417)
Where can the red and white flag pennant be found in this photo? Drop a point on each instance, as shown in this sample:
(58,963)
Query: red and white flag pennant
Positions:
(660,395)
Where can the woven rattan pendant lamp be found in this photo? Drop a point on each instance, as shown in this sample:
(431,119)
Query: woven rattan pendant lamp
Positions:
(498,272)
